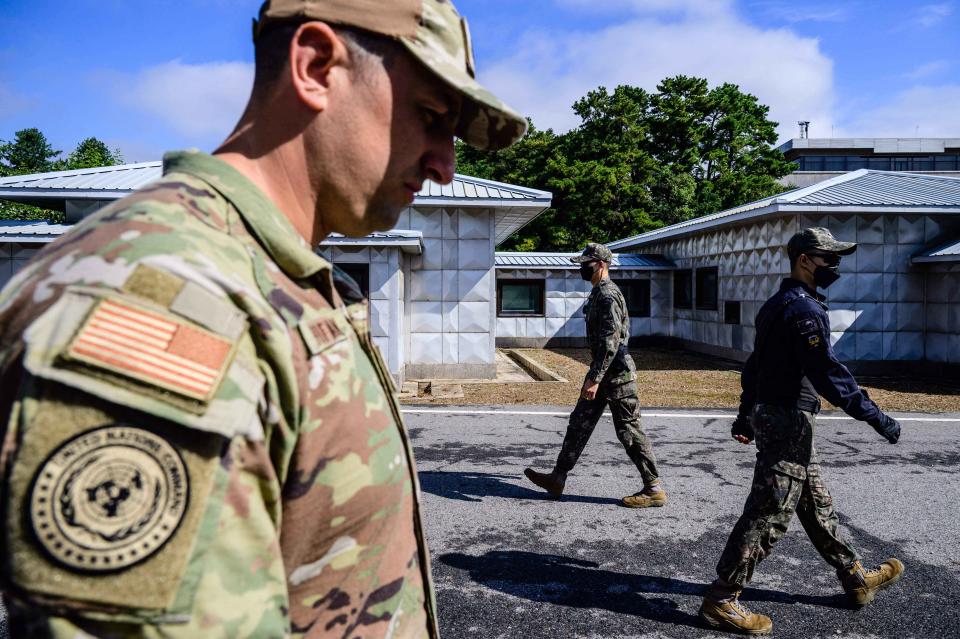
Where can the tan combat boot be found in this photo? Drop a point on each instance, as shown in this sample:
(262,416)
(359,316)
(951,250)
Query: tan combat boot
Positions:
(722,609)
(646,498)
(862,585)
(553,482)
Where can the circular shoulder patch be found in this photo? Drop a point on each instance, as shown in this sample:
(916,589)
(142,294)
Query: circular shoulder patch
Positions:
(109,498)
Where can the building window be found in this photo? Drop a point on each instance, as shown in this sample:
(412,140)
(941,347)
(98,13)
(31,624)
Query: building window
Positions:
(731,312)
(947,162)
(360,274)
(637,295)
(707,288)
(683,289)
(520,298)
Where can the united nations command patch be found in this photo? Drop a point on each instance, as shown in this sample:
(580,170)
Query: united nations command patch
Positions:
(108,498)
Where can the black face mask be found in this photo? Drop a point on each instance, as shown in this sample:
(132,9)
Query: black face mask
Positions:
(586,271)
(824,276)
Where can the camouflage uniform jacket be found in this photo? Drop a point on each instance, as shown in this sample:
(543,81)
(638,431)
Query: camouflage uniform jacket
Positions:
(608,332)
(199,437)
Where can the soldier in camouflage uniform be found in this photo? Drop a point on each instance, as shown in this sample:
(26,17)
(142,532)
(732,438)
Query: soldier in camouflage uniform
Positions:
(791,363)
(199,438)
(611,380)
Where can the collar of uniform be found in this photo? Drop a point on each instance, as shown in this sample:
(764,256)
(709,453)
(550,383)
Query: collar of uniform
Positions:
(792,283)
(274,231)
(603,282)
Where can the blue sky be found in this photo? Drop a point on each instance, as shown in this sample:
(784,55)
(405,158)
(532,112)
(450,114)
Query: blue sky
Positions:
(151,75)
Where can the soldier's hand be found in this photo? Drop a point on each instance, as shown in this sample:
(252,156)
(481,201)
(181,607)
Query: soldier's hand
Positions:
(589,390)
(742,429)
(887,426)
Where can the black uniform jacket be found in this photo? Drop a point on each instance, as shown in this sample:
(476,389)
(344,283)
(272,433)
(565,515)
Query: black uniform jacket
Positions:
(793,360)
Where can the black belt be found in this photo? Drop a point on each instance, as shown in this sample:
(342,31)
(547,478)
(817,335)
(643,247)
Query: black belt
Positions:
(801,403)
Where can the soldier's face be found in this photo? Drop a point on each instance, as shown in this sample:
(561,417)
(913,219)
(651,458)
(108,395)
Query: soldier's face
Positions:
(399,134)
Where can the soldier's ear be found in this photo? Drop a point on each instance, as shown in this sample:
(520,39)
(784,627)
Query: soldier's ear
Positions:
(315,52)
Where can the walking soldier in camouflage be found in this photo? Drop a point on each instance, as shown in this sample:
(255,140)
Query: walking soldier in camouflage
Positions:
(611,381)
(199,438)
(792,362)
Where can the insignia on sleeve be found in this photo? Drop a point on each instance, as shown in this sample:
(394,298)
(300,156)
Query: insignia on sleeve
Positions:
(160,350)
(808,325)
(108,498)
(321,333)
(813,341)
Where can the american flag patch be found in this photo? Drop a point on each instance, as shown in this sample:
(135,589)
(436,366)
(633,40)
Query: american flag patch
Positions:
(152,348)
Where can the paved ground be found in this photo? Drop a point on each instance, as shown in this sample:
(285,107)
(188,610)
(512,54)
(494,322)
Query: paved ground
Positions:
(509,563)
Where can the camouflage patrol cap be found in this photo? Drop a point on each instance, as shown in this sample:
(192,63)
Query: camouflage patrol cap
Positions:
(593,251)
(436,35)
(818,239)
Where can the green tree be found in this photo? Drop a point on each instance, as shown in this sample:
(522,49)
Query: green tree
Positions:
(531,163)
(638,161)
(738,162)
(603,172)
(29,152)
(92,153)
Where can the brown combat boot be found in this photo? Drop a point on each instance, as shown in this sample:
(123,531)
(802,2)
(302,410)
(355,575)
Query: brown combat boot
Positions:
(553,482)
(646,498)
(862,585)
(722,609)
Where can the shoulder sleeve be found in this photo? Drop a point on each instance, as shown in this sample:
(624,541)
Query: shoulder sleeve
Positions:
(810,330)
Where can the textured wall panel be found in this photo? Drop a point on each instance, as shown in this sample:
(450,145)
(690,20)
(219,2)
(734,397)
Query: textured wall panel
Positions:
(425,317)
(426,348)
(426,286)
(474,317)
(475,286)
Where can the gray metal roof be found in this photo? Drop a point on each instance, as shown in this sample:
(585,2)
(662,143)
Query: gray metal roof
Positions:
(877,188)
(31,232)
(863,191)
(466,187)
(621,261)
(406,241)
(109,181)
(121,180)
(514,206)
(949,252)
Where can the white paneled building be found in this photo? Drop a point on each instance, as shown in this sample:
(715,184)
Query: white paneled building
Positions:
(897,302)
(441,301)
(540,297)
(430,281)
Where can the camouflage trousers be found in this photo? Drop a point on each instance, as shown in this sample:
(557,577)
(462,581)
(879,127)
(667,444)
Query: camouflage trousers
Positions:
(786,479)
(625,408)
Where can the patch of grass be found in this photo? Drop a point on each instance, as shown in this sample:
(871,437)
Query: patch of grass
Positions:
(683,379)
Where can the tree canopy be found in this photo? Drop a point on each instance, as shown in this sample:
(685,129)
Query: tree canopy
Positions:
(31,152)
(639,161)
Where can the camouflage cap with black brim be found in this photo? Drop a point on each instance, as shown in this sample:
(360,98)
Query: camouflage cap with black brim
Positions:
(438,37)
(593,252)
(818,239)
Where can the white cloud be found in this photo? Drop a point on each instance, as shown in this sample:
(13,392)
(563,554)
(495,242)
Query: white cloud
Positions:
(930,15)
(692,7)
(927,111)
(202,102)
(928,69)
(793,13)
(555,68)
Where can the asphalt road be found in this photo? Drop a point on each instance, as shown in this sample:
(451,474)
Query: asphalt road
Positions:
(510,563)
